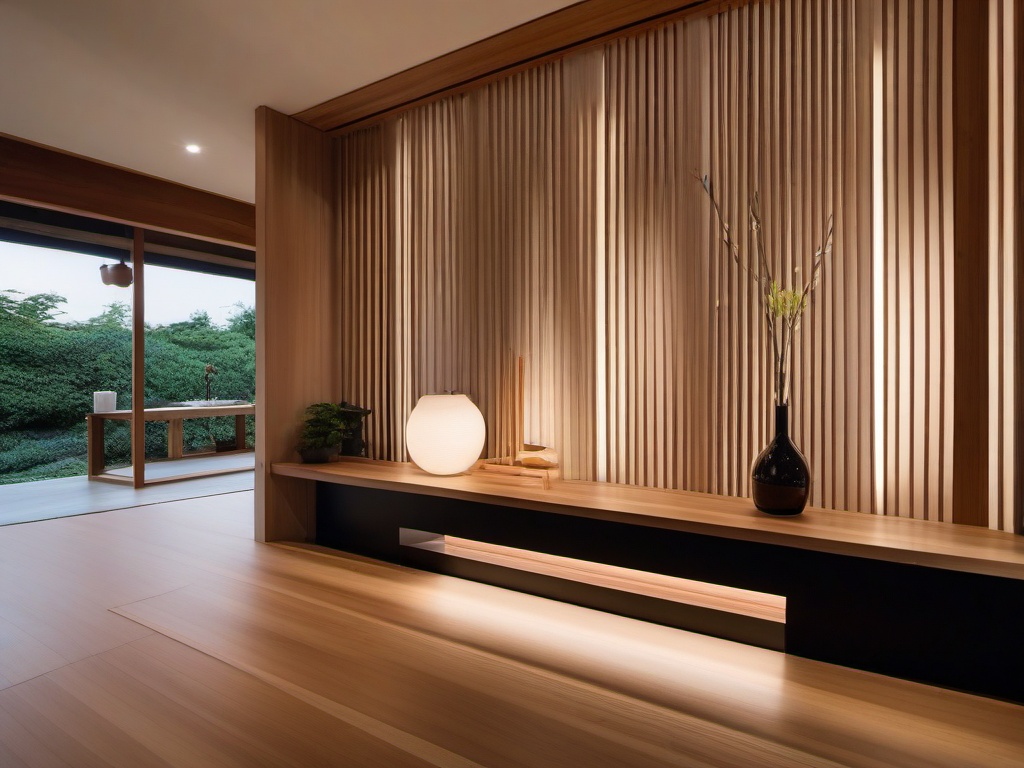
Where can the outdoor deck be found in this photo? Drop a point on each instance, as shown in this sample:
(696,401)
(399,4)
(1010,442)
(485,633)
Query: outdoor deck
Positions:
(47,499)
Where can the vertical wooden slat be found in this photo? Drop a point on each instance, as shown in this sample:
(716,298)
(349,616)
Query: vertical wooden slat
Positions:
(1003,186)
(970,277)
(1016,171)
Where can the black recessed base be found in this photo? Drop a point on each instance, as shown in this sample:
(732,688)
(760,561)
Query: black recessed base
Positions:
(949,628)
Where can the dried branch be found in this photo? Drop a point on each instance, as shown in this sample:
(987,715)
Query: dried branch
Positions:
(782,307)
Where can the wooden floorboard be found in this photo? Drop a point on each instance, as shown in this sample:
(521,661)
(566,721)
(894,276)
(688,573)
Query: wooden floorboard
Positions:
(157,702)
(240,653)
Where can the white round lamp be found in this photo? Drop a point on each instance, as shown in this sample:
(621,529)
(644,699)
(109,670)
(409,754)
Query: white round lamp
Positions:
(445,434)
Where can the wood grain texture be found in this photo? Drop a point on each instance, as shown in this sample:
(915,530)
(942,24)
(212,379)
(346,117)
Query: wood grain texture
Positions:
(37,175)
(686,591)
(159,703)
(469,701)
(553,215)
(323,660)
(960,548)
(530,44)
(477,665)
(298,301)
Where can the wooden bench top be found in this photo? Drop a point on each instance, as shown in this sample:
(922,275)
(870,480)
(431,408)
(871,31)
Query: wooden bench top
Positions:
(918,542)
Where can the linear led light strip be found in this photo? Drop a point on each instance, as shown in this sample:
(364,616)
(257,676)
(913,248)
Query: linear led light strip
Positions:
(744,602)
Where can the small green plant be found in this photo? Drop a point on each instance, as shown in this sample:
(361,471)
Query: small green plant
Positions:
(326,425)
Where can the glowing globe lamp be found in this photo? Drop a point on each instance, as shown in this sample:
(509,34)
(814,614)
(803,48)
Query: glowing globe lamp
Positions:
(445,434)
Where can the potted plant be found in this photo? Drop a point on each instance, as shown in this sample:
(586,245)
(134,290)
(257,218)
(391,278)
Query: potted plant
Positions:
(325,427)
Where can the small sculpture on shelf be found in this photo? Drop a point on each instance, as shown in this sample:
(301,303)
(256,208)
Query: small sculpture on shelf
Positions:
(209,372)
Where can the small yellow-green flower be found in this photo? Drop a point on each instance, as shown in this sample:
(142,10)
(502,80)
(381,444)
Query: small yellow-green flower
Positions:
(785,303)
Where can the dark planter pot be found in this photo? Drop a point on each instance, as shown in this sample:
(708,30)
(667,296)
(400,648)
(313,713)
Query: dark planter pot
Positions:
(781,478)
(317,455)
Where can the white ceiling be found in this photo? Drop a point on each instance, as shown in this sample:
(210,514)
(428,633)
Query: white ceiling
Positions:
(131,82)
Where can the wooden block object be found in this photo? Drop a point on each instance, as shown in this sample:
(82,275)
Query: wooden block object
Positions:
(529,475)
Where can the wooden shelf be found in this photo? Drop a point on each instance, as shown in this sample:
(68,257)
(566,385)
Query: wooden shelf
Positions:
(961,548)
(716,597)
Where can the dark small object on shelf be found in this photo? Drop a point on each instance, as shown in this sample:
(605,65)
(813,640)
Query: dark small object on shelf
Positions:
(353,443)
(225,445)
(781,480)
(209,371)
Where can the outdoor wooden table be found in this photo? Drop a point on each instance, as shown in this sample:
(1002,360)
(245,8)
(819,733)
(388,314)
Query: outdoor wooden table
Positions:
(174,417)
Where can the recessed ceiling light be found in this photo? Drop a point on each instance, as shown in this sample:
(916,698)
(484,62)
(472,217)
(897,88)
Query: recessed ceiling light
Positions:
(195,149)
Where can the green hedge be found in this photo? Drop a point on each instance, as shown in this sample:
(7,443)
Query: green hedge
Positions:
(49,371)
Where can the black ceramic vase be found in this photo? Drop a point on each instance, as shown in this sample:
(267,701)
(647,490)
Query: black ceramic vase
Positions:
(781,479)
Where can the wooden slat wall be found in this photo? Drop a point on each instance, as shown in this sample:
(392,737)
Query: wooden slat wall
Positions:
(915,53)
(563,195)
(658,308)
(373,302)
(789,118)
(458,262)
(552,215)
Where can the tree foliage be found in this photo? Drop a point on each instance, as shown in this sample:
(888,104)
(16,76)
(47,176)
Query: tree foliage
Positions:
(49,371)
(39,307)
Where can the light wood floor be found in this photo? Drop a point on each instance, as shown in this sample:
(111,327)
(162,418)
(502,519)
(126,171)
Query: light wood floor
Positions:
(164,635)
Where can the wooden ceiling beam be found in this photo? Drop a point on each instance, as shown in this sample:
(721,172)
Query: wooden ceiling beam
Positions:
(50,178)
(551,36)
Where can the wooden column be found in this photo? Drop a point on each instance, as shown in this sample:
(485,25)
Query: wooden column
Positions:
(297,316)
(970,201)
(175,438)
(96,459)
(239,433)
(138,360)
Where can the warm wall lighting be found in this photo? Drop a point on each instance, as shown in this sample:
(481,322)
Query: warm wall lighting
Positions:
(445,434)
(195,149)
(116,274)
